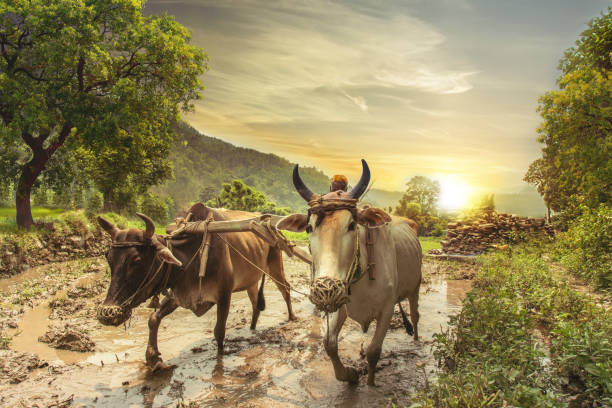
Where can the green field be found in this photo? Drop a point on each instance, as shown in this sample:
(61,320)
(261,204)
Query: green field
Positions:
(37,212)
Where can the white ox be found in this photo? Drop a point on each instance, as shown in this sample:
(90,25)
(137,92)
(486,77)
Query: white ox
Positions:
(396,254)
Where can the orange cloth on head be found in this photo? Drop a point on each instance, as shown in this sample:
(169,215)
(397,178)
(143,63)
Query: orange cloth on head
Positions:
(338,182)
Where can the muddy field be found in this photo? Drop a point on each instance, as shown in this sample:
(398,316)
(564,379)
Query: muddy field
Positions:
(48,313)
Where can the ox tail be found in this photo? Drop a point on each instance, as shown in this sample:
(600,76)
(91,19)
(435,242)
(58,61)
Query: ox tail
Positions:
(407,325)
(261,301)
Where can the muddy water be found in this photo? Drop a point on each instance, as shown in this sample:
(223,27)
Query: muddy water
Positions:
(281,364)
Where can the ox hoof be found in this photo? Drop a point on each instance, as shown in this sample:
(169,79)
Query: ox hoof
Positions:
(293,318)
(161,366)
(352,375)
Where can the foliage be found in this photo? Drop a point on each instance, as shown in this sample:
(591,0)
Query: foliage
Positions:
(583,354)
(154,207)
(239,196)
(490,354)
(577,124)
(585,247)
(429,224)
(408,209)
(202,165)
(423,191)
(98,78)
(540,175)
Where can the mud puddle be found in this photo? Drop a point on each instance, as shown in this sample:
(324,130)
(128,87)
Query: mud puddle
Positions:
(281,364)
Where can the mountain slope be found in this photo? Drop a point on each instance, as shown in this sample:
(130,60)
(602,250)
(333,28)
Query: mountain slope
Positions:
(202,162)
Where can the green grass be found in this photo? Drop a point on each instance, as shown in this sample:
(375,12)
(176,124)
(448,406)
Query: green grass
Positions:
(296,236)
(428,243)
(37,212)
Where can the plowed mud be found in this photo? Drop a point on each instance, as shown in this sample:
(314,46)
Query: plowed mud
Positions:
(281,364)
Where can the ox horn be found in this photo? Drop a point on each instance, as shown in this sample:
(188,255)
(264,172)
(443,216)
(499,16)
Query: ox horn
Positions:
(150,225)
(363,182)
(300,186)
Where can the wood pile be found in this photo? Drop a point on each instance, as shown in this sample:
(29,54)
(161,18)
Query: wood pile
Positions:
(474,237)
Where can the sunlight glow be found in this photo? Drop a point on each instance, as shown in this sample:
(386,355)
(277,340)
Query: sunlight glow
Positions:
(454,193)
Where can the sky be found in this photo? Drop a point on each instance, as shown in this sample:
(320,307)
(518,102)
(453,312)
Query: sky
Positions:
(442,88)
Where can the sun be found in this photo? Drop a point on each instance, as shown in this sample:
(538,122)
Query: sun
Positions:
(454,193)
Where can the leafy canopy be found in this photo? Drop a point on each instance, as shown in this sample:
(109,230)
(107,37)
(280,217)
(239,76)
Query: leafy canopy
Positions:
(577,124)
(238,196)
(95,75)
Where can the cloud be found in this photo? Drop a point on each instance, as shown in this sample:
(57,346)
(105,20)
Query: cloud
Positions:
(357,100)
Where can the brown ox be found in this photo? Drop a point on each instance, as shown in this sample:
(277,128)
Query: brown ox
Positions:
(142,266)
(342,285)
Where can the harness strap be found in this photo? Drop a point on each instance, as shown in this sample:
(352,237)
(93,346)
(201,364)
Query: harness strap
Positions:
(370,251)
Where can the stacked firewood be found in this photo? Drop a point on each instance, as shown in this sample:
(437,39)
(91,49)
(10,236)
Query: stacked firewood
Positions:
(491,229)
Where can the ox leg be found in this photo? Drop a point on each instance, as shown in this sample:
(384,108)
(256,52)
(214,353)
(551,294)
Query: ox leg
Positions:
(154,361)
(343,373)
(276,271)
(223,307)
(254,296)
(375,347)
(414,313)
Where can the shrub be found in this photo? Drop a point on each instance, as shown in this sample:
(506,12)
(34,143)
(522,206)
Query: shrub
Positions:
(75,221)
(585,248)
(583,354)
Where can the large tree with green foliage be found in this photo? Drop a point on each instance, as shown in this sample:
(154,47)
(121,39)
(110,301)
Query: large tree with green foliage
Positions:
(577,127)
(95,75)
(423,191)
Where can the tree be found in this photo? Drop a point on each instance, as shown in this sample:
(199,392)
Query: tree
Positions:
(423,191)
(577,127)
(408,209)
(238,196)
(90,74)
(541,175)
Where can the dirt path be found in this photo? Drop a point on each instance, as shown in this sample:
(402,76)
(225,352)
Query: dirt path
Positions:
(280,364)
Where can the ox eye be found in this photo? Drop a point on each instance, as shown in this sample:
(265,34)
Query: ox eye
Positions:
(351,226)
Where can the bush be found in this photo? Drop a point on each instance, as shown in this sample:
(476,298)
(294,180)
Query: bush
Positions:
(154,207)
(585,248)
(583,354)
(75,221)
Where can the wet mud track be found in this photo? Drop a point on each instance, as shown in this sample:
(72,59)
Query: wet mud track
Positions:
(281,364)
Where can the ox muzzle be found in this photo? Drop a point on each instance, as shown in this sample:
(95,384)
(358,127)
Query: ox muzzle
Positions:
(328,294)
(113,315)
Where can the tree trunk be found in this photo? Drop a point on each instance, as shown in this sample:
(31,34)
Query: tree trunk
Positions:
(33,169)
(22,202)
(24,190)
(548,210)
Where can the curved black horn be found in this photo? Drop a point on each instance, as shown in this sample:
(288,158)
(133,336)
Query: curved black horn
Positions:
(150,225)
(363,182)
(300,186)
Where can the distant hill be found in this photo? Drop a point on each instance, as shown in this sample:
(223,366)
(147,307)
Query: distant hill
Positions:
(202,162)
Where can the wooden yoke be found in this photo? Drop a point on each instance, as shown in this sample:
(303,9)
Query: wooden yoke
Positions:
(264,226)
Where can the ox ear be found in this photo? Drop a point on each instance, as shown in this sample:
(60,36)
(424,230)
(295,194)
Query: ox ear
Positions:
(108,227)
(293,222)
(166,255)
(373,217)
